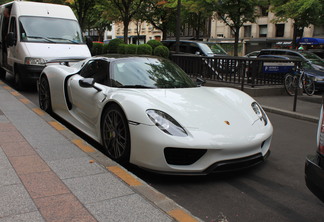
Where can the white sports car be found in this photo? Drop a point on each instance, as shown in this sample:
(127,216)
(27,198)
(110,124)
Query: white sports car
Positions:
(147,111)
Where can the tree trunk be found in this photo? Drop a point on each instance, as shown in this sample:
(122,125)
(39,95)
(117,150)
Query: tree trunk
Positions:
(126,23)
(237,33)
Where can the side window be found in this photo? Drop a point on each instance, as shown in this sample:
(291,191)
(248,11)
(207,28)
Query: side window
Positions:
(97,69)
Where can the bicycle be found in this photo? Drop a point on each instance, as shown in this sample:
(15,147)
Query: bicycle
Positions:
(301,80)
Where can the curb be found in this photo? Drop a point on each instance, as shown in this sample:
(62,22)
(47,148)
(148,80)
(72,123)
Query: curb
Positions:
(157,199)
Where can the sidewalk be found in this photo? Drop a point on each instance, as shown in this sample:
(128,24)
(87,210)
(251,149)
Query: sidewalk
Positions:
(47,173)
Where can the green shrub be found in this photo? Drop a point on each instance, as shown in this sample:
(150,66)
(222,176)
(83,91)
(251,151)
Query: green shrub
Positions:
(154,43)
(144,49)
(97,48)
(121,48)
(113,45)
(131,49)
(105,49)
(162,51)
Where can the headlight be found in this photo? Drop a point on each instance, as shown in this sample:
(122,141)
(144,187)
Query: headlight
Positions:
(35,61)
(166,123)
(259,112)
(317,79)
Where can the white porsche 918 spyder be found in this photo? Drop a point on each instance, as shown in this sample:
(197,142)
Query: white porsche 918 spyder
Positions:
(148,112)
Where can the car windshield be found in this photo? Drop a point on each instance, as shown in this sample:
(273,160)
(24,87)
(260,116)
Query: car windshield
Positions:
(148,73)
(207,51)
(313,58)
(216,49)
(51,30)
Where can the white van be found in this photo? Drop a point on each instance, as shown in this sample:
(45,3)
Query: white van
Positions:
(33,34)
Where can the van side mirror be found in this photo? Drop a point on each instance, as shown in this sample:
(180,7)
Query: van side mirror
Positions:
(89,42)
(11,39)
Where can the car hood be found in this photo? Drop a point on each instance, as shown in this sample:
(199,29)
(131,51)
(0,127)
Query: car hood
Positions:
(205,109)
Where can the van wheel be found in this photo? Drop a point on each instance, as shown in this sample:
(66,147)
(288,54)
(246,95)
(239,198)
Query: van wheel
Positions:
(2,73)
(18,82)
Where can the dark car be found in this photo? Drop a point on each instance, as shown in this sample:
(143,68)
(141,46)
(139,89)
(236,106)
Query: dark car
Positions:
(195,47)
(314,167)
(311,68)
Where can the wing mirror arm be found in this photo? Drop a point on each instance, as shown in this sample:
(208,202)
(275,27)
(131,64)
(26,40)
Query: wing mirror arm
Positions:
(200,81)
(88,83)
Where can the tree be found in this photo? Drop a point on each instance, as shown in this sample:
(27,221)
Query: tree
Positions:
(82,9)
(196,14)
(302,12)
(126,9)
(159,15)
(235,13)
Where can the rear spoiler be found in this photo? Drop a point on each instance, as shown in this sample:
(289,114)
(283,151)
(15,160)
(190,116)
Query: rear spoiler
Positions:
(64,61)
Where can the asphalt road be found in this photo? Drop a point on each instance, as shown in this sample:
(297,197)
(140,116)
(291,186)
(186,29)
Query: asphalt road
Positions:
(272,191)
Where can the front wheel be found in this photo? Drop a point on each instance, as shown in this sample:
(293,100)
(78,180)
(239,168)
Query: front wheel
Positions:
(309,86)
(44,95)
(115,134)
(290,84)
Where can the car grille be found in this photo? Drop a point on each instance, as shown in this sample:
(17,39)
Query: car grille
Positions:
(183,156)
(236,164)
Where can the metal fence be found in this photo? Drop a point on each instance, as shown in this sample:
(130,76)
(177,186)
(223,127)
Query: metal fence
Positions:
(236,70)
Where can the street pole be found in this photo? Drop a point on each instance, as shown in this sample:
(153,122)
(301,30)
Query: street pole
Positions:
(178,26)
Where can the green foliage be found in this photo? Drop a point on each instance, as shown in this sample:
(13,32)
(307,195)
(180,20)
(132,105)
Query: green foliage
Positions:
(154,43)
(144,49)
(105,49)
(97,48)
(131,49)
(121,48)
(162,51)
(113,45)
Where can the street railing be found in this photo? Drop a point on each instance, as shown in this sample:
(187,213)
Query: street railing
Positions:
(237,70)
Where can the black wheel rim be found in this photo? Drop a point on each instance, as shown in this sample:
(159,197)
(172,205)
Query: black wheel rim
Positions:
(44,95)
(115,134)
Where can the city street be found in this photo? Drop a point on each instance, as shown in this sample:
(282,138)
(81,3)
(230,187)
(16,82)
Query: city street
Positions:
(272,191)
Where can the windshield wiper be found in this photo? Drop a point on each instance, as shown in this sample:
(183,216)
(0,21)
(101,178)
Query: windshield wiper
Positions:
(136,86)
(69,40)
(40,37)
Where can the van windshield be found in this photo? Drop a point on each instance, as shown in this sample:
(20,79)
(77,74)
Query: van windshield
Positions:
(52,30)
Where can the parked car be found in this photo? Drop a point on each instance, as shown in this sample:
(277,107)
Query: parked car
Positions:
(195,47)
(306,56)
(314,167)
(147,111)
(253,54)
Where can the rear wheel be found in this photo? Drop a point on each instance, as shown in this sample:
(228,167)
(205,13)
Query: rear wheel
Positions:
(290,84)
(44,95)
(309,86)
(115,134)
(2,73)
(18,81)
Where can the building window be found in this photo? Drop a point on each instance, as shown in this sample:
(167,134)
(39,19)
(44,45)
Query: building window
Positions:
(319,30)
(280,30)
(264,10)
(247,31)
(263,30)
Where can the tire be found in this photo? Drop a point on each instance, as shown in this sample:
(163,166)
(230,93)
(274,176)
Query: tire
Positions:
(2,73)
(44,95)
(290,84)
(115,134)
(308,86)
(18,82)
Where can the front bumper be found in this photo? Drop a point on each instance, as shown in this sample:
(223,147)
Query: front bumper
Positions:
(314,175)
(29,73)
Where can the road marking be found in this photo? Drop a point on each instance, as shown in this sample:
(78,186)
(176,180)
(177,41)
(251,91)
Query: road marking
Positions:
(81,144)
(38,111)
(7,87)
(25,101)
(124,175)
(181,216)
(57,125)
(15,93)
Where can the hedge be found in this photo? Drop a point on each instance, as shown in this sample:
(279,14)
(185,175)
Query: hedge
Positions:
(144,49)
(162,51)
(154,43)
(113,45)
(97,48)
(131,49)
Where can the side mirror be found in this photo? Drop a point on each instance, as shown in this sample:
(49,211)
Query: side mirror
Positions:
(200,81)
(88,83)
(89,42)
(11,39)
